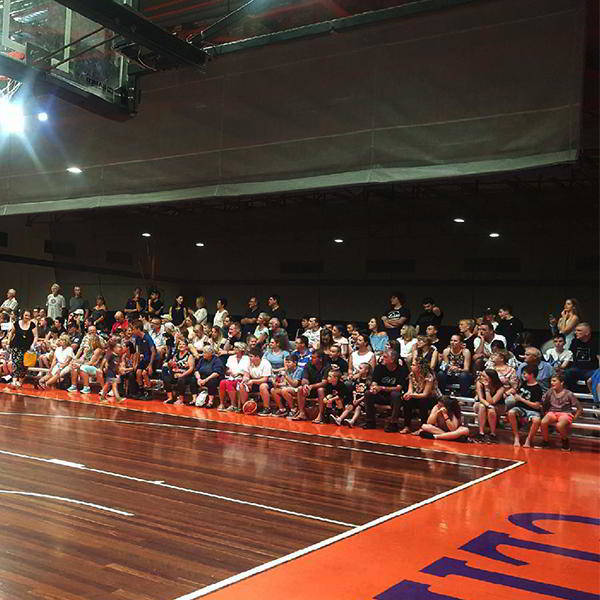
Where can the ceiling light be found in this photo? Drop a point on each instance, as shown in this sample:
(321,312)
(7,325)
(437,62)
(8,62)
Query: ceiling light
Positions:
(146,234)
(43,117)
(338,241)
(12,119)
(494,235)
(200,244)
(459,220)
(74,170)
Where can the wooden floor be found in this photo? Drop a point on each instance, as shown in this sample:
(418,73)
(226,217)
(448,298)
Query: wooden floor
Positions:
(198,502)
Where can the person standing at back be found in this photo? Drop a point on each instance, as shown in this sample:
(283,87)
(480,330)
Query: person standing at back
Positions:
(508,326)
(431,315)
(76,302)
(55,303)
(397,316)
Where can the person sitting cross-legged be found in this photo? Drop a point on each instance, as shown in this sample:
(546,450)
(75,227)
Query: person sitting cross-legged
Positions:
(529,406)
(444,422)
(558,403)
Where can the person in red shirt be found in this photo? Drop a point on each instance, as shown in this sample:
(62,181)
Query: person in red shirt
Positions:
(120,324)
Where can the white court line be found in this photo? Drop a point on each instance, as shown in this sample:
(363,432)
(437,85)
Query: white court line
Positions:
(259,435)
(71,500)
(199,418)
(81,467)
(209,589)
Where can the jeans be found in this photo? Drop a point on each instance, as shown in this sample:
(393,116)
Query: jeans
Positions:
(464,380)
(390,398)
(573,375)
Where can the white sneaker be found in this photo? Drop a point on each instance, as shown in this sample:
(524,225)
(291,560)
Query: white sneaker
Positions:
(111,393)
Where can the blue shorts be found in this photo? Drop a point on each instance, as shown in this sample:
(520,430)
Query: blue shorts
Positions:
(89,370)
(526,413)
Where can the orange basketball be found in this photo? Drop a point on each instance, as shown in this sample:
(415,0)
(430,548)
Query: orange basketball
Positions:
(249,407)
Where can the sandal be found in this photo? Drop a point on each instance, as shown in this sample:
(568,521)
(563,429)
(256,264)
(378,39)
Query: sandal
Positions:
(318,421)
(298,418)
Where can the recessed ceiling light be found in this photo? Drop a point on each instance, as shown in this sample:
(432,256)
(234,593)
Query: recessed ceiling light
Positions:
(146,235)
(338,241)
(200,244)
(494,235)
(74,170)
(43,117)
(459,220)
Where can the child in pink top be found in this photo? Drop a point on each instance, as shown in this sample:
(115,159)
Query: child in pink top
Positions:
(558,403)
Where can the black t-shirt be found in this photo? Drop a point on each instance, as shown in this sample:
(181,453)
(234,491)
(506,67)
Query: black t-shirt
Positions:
(96,314)
(249,328)
(533,393)
(383,376)
(510,329)
(341,363)
(584,354)
(131,304)
(76,303)
(470,343)
(280,314)
(397,313)
(314,375)
(338,390)
(426,319)
(157,306)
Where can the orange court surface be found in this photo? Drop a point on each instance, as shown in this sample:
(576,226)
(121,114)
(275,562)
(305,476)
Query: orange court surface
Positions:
(523,527)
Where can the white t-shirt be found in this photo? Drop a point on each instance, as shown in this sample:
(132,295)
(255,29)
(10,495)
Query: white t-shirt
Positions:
(219,317)
(487,346)
(314,337)
(359,359)
(56,305)
(553,357)
(201,316)
(406,348)
(261,331)
(263,370)
(62,355)
(238,367)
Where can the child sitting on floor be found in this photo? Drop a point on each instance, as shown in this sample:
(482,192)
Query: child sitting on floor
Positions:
(445,422)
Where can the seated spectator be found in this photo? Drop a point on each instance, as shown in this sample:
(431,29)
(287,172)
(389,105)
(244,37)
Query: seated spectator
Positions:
(221,313)
(120,324)
(55,303)
(256,380)
(377,336)
(456,366)
(362,354)
(61,363)
(558,405)
(483,344)
(209,373)
(261,332)
(559,357)
(180,373)
(468,329)
(593,384)
(286,386)
(98,315)
(585,356)
(235,369)
(490,404)
(201,314)
(407,341)
(276,311)
(445,422)
(341,341)
(432,333)
(357,406)
(388,383)
(508,326)
(489,316)
(570,317)
(423,393)
(335,359)
(252,342)
(325,341)
(507,374)
(353,331)
(158,335)
(11,304)
(276,332)
(431,315)
(313,333)
(302,354)
(235,335)
(178,311)
(156,306)
(313,383)
(498,346)
(303,325)
(216,340)
(397,317)
(145,348)
(335,396)
(275,355)
(136,306)
(250,318)
(533,356)
(425,353)
(528,406)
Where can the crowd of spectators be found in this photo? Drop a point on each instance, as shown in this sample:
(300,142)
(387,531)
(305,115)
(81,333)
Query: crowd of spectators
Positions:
(327,372)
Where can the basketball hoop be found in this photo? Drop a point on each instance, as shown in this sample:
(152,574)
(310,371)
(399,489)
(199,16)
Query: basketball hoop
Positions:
(8,86)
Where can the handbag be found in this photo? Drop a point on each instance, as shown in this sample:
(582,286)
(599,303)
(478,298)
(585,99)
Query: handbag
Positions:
(29,359)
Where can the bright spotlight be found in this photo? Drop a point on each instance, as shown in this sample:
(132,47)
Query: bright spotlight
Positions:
(338,241)
(74,170)
(12,119)
(146,235)
(494,235)
(459,220)
(43,117)
(200,244)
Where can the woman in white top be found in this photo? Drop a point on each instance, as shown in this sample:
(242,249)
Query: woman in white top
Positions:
(221,312)
(201,314)
(237,366)
(61,363)
(261,333)
(362,354)
(407,339)
(340,340)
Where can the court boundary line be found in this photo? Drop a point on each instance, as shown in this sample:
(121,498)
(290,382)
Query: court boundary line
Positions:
(20,392)
(205,591)
(256,435)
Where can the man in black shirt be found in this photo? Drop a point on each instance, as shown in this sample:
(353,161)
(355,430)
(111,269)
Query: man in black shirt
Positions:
(155,304)
(585,356)
(510,327)
(250,318)
(389,382)
(276,311)
(398,316)
(467,328)
(135,306)
(335,358)
(431,315)
(313,383)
